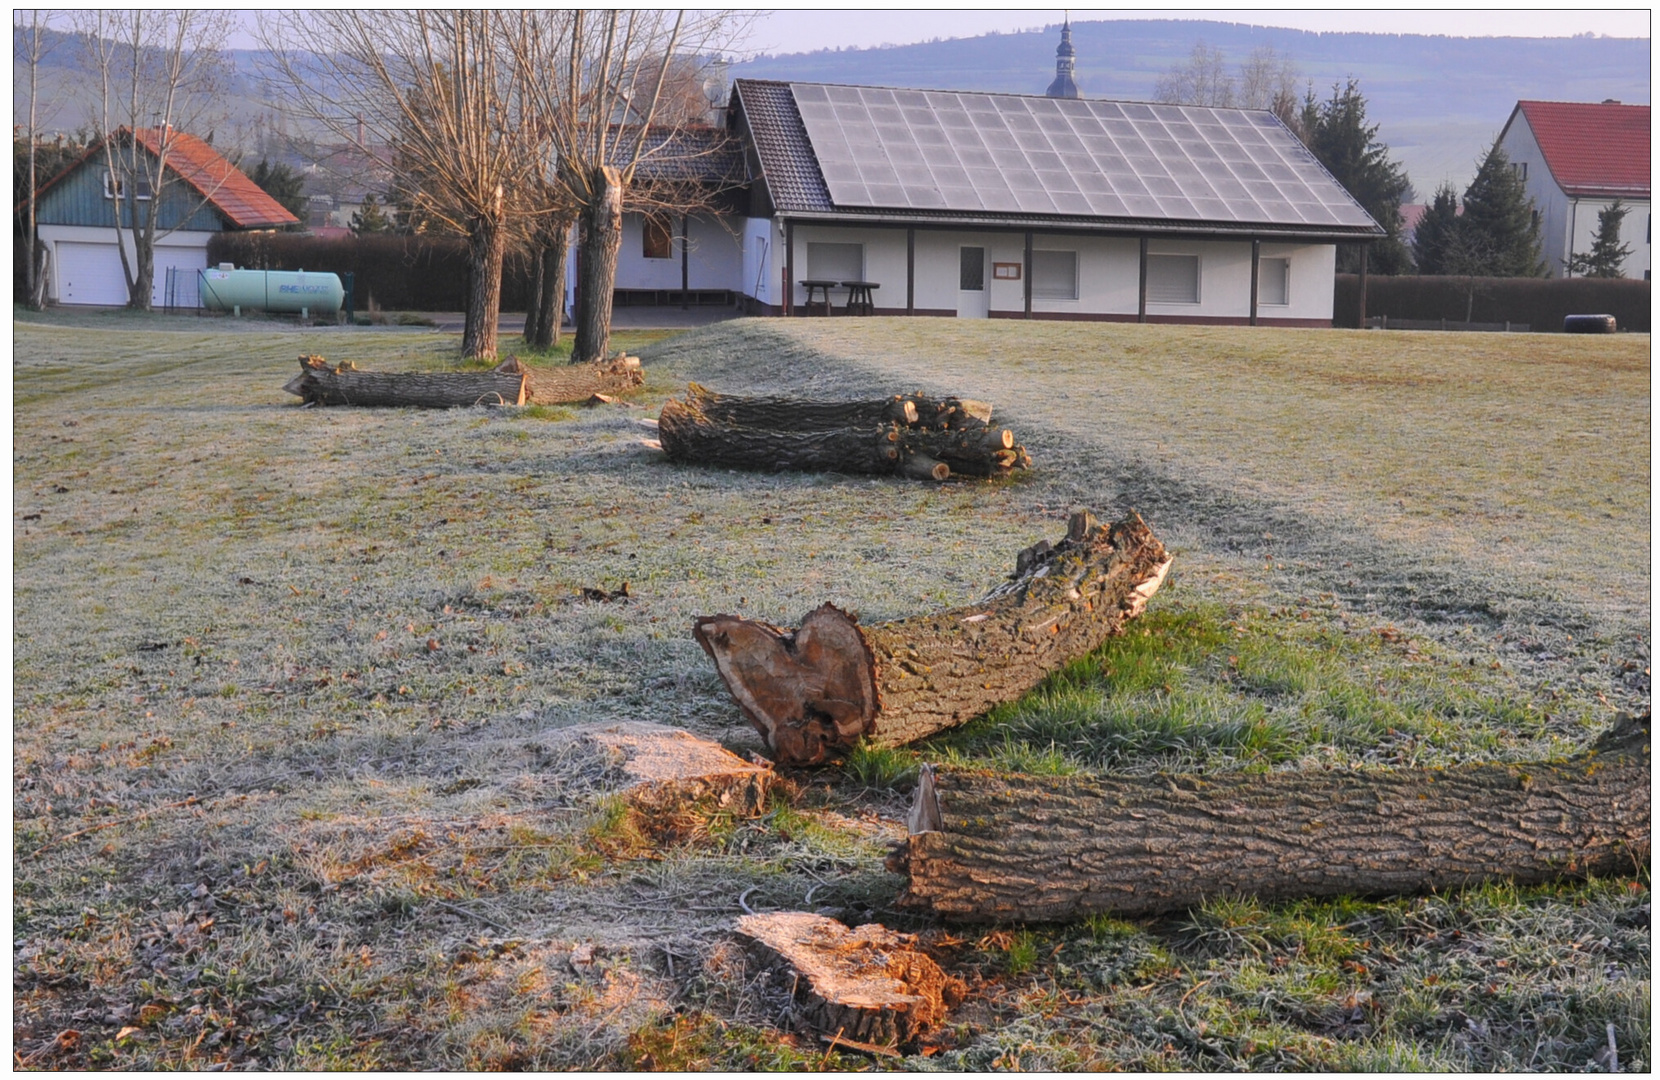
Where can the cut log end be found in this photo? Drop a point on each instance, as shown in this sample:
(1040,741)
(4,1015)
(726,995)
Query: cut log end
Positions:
(923,467)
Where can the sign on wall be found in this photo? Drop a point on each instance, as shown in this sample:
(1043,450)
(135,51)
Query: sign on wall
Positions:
(1005,271)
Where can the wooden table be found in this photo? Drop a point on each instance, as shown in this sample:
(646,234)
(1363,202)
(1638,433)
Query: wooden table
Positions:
(859,301)
(813,285)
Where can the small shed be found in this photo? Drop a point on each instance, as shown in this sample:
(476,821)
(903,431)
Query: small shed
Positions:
(206,194)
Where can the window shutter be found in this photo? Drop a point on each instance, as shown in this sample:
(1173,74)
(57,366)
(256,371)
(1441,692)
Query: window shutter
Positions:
(1173,279)
(1054,275)
(1274,281)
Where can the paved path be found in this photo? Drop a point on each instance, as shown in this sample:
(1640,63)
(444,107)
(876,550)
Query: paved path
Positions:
(669,317)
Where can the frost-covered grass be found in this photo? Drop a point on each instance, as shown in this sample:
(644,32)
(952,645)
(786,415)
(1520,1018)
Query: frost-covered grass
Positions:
(279,672)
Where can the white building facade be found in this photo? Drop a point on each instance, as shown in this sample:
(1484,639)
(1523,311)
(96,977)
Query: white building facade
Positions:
(1576,159)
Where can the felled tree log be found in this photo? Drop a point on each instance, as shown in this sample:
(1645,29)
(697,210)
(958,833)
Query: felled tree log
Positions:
(320,384)
(510,383)
(571,384)
(816,691)
(786,414)
(869,988)
(798,441)
(1044,848)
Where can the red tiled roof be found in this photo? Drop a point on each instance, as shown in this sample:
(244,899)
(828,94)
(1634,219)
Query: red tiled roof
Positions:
(243,202)
(1592,149)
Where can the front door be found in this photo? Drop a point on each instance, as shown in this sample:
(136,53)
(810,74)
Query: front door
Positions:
(972,300)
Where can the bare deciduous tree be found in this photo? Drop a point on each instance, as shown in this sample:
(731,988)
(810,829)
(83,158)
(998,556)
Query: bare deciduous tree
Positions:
(33,48)
(438,87)
(1202,80)
(157,71)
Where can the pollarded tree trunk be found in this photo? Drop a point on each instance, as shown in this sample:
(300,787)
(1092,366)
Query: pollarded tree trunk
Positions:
(988,847)
(552,279)
(485,249)
(601,223)
(817,691)
(533,298)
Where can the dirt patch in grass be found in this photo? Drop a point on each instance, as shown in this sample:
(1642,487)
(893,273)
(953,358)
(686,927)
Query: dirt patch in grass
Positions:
(279,676)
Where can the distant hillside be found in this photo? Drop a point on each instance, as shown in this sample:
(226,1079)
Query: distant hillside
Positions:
(1440,100)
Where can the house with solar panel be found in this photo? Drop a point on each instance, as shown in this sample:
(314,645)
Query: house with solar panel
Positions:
(1575,159)
(77,208)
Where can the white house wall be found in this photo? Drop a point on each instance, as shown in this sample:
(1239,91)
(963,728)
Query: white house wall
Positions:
(714,258)
(1568,225)
(185,250)
(1109,271)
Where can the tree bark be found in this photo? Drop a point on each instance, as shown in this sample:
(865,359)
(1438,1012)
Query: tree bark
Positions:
(554,254)
(815,692)
(569,384)
(601,223)
(870,988)
(866,437)
(485,248)
(320,384)
(533,299)
(1042,848)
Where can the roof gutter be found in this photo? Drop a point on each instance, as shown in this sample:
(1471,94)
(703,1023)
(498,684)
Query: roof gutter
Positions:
(1361,235)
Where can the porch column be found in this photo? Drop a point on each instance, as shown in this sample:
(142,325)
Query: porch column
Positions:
(685,274)
(1026,274)
(910,271)
(1141,302)
(1256,266)
(789,267)
(1364,248)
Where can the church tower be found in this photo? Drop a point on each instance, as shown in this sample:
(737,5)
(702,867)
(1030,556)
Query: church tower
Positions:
(1065,55)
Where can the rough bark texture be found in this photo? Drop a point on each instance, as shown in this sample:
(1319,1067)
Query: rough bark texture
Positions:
(485,248)
(816,691)
(909,435)
(868,986)
(320,384)
(1041,848)
(572,384)
(597,270)
(552,303)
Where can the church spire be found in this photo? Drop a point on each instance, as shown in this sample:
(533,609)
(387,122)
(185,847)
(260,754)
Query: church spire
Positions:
(1065,57)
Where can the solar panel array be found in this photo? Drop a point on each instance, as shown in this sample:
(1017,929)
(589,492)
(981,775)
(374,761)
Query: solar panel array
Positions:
(938,150)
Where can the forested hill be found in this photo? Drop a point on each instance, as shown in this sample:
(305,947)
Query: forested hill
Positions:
(1440,100)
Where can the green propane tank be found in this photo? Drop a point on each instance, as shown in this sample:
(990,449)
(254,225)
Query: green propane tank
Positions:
(227,289)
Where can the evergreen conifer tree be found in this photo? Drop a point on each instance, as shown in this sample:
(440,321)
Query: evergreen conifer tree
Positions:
(1437,231)
(1338,135)
(1499,220)
(1607,256)
(370,218)
(282,184)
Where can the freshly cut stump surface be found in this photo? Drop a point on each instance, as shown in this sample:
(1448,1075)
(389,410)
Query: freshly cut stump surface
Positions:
(867,985)
(664,771)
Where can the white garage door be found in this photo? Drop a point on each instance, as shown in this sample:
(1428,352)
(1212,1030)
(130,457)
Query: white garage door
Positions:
(90,274)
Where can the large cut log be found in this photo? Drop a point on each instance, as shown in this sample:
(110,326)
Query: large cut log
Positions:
(801,440)
(511,383)
(571,384)
(868,988)
(991,847)
(816,691)
(787,414)
(320,384)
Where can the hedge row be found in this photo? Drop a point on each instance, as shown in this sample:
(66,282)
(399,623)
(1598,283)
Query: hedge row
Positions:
(395,273)
(1542,303)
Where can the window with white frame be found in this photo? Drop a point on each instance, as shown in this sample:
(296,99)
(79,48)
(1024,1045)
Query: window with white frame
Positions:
(1274,281)
(835,262)
(1173,279)
(1054,275)
(118,189)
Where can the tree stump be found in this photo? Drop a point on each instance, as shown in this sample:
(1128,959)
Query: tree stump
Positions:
(1041,848)
(816,691)
(869,988)
(668,777)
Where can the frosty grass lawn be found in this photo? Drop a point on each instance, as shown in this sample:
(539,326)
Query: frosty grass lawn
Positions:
(279,673)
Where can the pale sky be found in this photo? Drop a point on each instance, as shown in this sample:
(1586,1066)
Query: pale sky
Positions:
(807,28)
